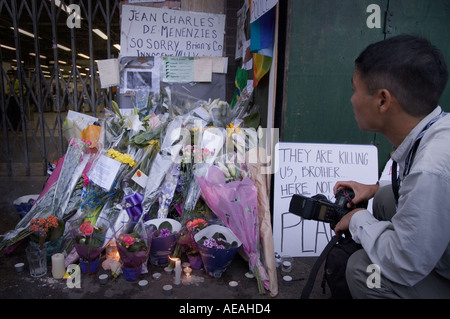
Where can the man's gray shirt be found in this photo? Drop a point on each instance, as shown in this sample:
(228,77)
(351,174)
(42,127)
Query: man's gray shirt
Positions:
(416,240)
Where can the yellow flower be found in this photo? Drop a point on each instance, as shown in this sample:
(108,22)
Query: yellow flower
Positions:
(232,129)
(123,158)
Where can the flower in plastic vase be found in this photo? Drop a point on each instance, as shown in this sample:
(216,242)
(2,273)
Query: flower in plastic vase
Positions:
(89,237)
(186,239)
(47,233)
(133,245)
(218,246)
(164,239)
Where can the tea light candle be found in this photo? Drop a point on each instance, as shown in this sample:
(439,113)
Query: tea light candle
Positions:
(103,278)
(233,285)
(187,270)
(287,280)
(156,276)
(58,266)
(188,279)
(19,267)
(286,263)
(168,269)
(167,290)
(143,284)
(286,266)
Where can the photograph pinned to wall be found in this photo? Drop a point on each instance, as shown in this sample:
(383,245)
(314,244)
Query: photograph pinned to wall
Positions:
(136,79)
(140,77)
(138,73)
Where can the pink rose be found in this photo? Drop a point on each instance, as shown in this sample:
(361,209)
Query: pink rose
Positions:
(128,240)
(87,228)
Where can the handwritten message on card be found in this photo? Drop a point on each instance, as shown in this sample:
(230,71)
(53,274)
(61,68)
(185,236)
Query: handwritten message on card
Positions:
(148,31)
(311,169)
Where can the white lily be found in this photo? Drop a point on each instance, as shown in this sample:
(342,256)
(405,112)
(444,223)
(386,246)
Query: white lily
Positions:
(132,122)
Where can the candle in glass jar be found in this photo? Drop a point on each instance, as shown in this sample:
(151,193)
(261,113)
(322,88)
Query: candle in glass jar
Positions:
(58,267)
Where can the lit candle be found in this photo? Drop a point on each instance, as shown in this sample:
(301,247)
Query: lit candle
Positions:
(58,267)
(187,270)
(188,279)
(177,280)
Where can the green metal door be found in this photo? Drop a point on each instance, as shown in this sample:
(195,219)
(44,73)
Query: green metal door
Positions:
(325,38)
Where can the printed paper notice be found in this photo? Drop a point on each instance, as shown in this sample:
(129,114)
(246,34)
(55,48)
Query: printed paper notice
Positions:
(178,69)
(104,172)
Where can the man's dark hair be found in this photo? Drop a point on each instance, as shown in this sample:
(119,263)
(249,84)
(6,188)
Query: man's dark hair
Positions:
(411,68)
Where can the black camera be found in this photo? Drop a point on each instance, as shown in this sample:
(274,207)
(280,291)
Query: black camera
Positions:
(321,209)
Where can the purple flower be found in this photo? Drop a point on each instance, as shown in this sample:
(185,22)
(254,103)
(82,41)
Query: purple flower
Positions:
(164,232)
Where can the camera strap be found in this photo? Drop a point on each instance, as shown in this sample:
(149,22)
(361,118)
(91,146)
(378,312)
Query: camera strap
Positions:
(315,269)
(410,157)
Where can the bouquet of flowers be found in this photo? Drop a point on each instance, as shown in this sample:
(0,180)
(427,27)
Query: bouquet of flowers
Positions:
(235,203)
(47,232)
(133,246)
(218,241)
(89,235)
(61,194)
(187,242)
(218,246)
(163,239)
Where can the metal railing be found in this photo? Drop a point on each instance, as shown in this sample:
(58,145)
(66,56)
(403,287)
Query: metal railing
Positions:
(41,49)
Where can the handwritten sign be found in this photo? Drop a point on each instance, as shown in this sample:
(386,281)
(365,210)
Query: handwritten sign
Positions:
(148,31)
(311,169)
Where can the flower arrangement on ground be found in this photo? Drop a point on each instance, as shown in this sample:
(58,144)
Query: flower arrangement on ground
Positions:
(187,242)
(89,239)
(133,247)
(235,203)
(217,245)
(47,232)
(164,237)
(60,196)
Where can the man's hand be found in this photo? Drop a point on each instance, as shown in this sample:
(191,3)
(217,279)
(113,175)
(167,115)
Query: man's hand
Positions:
(343,225)
(362,192)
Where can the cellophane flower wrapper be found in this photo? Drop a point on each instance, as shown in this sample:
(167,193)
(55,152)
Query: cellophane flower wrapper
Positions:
(217,257)
(133,259)
(235,203)
(165,160)
(62,185)
(256,167)
(97,240)
(209,144)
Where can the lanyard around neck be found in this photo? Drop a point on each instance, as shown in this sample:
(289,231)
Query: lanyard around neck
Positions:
(410,156)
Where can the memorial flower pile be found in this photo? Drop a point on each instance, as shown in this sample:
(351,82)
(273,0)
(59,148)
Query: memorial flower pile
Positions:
(185,162)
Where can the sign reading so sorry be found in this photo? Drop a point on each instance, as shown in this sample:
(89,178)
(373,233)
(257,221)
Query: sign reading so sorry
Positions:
(311,169)
(148,31)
